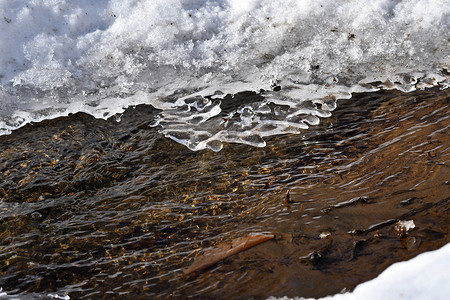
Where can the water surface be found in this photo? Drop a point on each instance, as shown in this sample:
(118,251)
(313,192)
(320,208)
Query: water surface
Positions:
(106,209)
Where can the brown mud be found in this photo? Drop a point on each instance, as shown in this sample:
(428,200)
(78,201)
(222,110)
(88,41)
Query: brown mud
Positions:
(104,209)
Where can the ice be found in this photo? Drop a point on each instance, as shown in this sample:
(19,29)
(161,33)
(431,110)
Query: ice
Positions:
(56,296)
(10,296)
(69,56)
(402,227)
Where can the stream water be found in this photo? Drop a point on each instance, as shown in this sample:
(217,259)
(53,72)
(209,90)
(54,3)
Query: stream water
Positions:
(93,208)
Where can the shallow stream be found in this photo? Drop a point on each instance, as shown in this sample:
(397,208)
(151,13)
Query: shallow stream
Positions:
(104,209)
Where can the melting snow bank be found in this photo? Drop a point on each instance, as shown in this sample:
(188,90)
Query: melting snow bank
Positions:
(184,56)
(426,276)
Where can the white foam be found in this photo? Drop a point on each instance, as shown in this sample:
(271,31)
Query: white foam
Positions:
(68,56)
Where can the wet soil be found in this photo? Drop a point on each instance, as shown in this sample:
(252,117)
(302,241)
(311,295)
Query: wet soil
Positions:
(106,209)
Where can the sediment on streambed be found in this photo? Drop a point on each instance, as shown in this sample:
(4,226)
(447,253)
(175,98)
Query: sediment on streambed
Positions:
(327,122)
(85,199)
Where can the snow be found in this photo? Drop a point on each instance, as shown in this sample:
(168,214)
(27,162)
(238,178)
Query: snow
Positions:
(63,56)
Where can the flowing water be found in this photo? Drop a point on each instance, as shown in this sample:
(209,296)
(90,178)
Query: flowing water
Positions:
(135,134)
(96,208)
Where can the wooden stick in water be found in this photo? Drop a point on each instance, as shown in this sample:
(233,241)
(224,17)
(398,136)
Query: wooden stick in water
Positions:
(226,249)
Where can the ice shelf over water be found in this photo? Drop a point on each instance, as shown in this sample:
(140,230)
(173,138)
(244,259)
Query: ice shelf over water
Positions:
(182,56)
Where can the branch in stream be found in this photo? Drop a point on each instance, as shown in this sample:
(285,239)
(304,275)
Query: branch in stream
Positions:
(226,249)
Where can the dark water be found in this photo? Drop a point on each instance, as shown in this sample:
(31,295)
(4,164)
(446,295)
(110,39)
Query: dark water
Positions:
(104,209)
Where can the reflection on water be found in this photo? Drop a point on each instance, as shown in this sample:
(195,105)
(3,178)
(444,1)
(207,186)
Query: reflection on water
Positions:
(92,208)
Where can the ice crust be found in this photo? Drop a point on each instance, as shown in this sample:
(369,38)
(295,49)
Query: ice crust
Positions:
(61,56)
